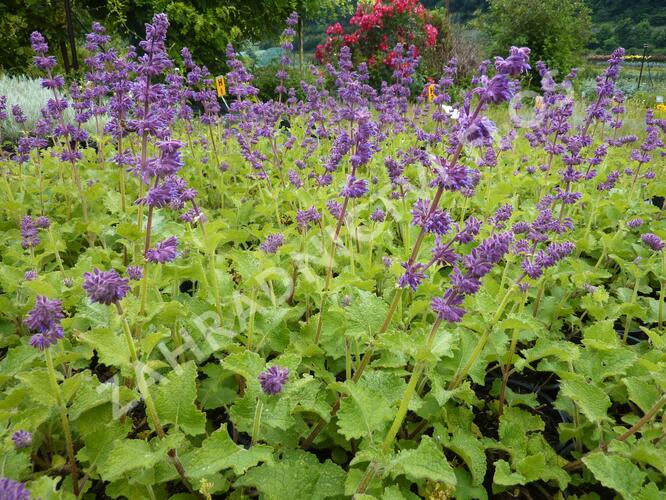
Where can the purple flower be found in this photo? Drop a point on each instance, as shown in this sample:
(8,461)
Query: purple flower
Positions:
(378,215)
(444,254)
(273,379)
(489,252)
(516,63)
(634,223)
(306,217)
(17,112)
(272,243)
(43,222)
(387,261)
(30,275)
(355,188)
(334,208)
(455,178)
(13,490)
(472,228)
(164,251)
(134,272)
(44,315)
(22,439)
(412,277)
(480,132)
(437,221)
(29,232)
(105,287)
(295,179)
(447,312)
(193,215)
(653,241)
(496,89)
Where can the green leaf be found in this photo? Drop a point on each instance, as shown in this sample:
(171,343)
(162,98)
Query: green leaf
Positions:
(369,403)
(99,443)
(111,347)
(615,472)
(366,313)
(297,475)
(642,392)
(219,452)
(40,387)
(601,335)
(467,447)
(16,359)
(45,488)
(247,364)
(87,397)
(505,477)
(128,455)
(592,401)
(174,400)
(427,461)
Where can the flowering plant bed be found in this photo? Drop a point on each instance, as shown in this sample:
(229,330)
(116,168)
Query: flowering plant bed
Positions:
(352,294)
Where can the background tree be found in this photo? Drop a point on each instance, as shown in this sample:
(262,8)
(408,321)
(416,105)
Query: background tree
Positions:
(557,31)
(310,10)
(19,18)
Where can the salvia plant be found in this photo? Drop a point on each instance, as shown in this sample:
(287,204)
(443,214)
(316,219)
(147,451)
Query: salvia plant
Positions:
(367,291)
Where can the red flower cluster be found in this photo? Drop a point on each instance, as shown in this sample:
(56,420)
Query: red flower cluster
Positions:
(379,27)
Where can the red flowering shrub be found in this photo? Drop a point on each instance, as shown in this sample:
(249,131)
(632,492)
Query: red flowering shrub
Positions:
(376,28)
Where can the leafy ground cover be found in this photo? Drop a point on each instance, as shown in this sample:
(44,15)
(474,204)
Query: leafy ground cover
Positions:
(380,293)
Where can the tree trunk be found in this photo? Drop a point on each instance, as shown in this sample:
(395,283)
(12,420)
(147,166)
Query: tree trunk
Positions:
(65,57)
(70,33)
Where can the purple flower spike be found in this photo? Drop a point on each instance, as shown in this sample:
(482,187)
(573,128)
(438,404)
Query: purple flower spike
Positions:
(42,222)
(105,287)
(272,243)
(450,313)
(653,241)
(378,215)
(413,276)
(516,63)
(22,439)
(30,275)
(134,272)
(29,232)
(13,490)
(306,217)
(164,251)
(634,223)
(45,314)
(355,188)
(273,379)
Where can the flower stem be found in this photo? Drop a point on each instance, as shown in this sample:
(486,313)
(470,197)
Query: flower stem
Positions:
(128,334)
(57,254)
(250,325)
(257,421)
(419,367)
(154,419)
(64,421)
(649,415)
(144,289)
(462,373)
(662,290)
(627,321)
(509,359)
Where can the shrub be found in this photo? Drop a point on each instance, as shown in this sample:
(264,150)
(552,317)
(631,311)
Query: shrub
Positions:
(375,30)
